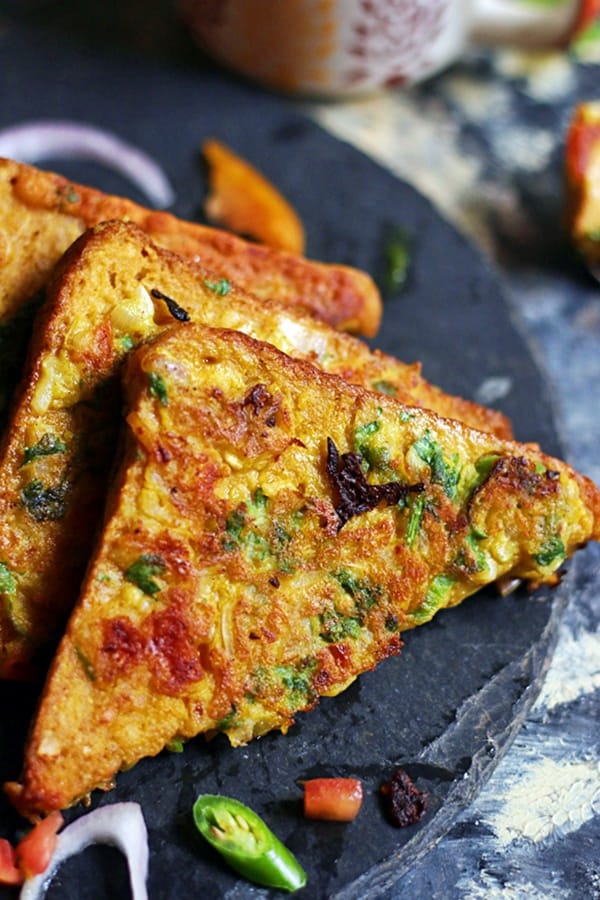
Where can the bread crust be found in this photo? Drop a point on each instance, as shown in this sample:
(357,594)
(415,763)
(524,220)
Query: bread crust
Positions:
(43,213)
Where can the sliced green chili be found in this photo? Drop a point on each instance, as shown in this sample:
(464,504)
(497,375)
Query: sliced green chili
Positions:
(246,843)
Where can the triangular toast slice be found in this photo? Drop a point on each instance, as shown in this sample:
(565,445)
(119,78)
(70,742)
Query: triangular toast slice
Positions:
(271,532)
(43,213)
(113,289)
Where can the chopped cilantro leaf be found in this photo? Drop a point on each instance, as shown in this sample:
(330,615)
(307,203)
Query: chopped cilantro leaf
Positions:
(127,343)
(141,572)
(362,590)
(551,550)
(45,504)
(444,473)
(220,287)
(158,388)
(298,682)
(365,431)
(85,663)
(234,526)
(335,627)
(229,720)
(417,504)
(8,585)
(47,445)
(385,387)
(434,598)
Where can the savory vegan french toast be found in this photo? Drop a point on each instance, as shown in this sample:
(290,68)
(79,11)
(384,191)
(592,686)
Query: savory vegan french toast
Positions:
(41,214)
(271,532)
(113,289)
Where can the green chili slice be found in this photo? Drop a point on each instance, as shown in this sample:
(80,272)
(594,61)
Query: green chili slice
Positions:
(246,843)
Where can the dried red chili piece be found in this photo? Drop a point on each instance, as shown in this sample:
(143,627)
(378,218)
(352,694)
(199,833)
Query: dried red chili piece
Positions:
(406,804)
(355,495)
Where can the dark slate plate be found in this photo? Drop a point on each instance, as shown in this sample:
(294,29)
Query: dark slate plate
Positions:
(448,707)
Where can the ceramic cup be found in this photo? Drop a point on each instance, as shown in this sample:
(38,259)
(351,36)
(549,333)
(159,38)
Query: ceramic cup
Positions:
(334,48)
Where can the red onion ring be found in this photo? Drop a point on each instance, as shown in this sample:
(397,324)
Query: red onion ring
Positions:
(32,142)
(119,824)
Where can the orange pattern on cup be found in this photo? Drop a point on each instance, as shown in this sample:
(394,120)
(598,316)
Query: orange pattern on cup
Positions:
(282,44)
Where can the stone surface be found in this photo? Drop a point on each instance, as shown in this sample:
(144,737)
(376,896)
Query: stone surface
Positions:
(448,708)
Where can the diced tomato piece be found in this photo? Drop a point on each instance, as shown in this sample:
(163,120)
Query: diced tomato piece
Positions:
(336,799)
(35,850)
(9,874)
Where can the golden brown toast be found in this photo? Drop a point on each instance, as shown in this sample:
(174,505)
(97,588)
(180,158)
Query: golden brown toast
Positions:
(113,289)
(41,214)
(271,532)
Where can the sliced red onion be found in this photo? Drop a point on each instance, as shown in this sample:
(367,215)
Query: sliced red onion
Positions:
(119,824)
(33,142)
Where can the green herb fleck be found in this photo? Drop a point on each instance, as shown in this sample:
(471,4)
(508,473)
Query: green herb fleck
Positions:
(259,498)
(221,287)
(234,526)
(8,585)
(175,745)
(67,194)
(229,720)
(397,260)
(471,558)
(385,387)
(362,590)
(256,546)
(298,682)
(485,464)
(141,572)
(435,596)
(127,343)
(281,537)
(377,458)
(417,505)
(406,416)
(392,623)
(551,550)
(444,473)
(85,663)
(335,627)
(47,445)
(365,431)
(158,388)
(45,504)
